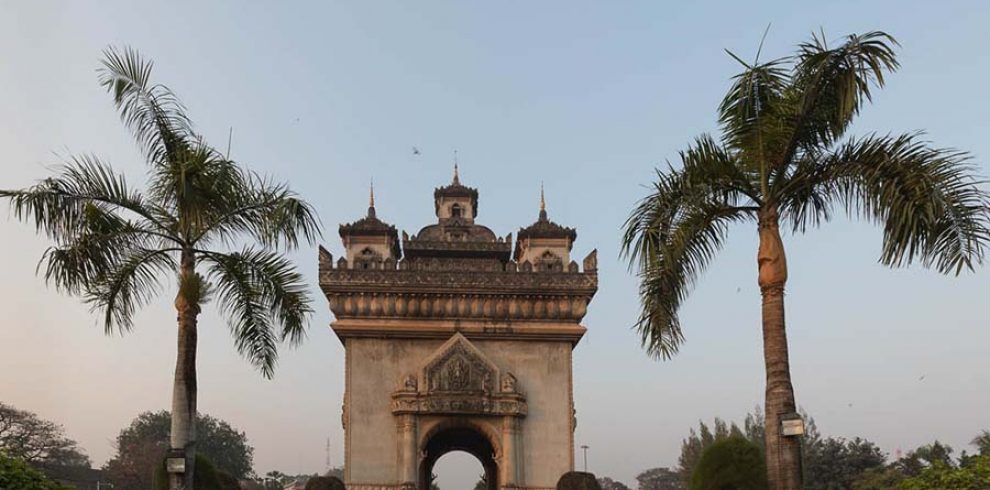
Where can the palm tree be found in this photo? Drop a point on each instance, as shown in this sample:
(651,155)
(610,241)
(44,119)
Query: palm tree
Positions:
(784,157)
(114,246)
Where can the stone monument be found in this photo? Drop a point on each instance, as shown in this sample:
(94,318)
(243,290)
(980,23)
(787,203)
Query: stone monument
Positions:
(455,340)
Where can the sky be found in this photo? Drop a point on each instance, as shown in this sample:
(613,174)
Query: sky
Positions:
(585,97)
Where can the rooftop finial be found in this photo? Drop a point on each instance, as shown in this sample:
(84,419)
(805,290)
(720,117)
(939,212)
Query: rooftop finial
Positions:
(457,178)
(371,199)
(543,204)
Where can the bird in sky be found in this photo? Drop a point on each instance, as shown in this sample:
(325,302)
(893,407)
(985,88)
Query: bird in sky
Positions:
(415,151)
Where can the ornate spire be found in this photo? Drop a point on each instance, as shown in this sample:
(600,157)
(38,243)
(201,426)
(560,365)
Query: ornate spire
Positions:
(371,200)
(543,204)
(457,177)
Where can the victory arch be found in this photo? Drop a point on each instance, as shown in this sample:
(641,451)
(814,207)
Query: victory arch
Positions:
(457,339)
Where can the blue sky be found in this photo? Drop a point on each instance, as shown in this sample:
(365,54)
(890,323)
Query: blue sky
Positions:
(587,97)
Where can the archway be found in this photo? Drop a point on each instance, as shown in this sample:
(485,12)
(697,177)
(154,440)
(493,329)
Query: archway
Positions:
(458,438)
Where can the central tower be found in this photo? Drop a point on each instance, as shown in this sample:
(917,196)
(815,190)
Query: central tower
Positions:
(456,340)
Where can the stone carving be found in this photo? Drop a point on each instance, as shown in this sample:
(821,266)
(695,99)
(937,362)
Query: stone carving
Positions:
(459,369)
(410,383)
(508,383)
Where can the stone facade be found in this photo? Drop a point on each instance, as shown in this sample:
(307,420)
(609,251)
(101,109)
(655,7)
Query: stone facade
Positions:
(454,342)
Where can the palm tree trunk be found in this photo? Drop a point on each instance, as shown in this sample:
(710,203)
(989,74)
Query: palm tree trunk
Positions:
(783,452)
(183,433)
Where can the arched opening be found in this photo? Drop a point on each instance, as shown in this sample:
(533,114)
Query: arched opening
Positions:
(460,438)
(455,211)
(459,470)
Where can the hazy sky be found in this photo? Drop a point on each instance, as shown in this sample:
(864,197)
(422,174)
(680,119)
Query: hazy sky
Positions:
(584,96)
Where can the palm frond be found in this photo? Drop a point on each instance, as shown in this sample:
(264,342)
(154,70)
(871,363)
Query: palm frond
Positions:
(259,290)
(750,112)
(672,235)
(266,211)
(927,200)
(830,86)
(151,111)
(128,283)
(63,206)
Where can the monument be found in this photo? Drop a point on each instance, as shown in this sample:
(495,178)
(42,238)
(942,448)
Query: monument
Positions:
(456,340)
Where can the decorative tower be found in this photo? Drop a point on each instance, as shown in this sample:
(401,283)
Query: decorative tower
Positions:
(545,245)
(369,242)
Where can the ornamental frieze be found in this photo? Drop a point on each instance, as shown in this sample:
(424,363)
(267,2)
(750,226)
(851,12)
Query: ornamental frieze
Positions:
(459,306)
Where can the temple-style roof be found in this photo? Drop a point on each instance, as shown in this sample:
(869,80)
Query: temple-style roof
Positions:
(456,189)
(370,225)
(543,228)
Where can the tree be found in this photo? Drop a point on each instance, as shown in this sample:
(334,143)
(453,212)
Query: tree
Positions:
(114,245)
(39,443)
(982,443)
(142,445)
(973,476)
(16,473)
(658,479)
(734,463)
(836,463)
(605,482)
(697,442)
(784,156)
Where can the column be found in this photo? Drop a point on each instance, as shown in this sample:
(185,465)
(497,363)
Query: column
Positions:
(509,464)
(407,450)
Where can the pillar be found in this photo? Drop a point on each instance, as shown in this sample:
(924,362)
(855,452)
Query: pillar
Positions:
(408,460)
(509,465)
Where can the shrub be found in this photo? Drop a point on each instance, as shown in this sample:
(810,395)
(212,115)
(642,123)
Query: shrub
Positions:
(733,463)
(324,483)
(578,480)
(204,479)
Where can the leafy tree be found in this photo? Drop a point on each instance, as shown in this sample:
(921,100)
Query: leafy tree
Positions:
(114,245)
(15,473)
(605,482)
(40,443)
(973,476)
(734,463)
(697,442)
(142,445)
(658,479)
(784,156)
(836,463)
(704,437)
(982,443)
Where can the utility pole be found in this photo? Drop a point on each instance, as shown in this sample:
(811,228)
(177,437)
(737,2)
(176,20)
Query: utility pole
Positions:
(585,448)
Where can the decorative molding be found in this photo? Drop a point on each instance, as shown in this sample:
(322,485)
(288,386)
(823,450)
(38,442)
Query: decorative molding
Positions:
(458,379)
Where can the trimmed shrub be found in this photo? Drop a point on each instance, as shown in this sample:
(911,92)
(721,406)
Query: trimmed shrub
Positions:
(324,483)
(578,480)
(204,479)
(730,464)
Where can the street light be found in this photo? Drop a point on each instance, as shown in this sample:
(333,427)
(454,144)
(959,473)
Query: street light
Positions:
(585,448)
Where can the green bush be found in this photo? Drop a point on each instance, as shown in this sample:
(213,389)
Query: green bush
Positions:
(15,473)
(205,477)
(730,464)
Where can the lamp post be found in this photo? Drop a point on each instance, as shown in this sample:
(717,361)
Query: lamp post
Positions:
(585,448)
